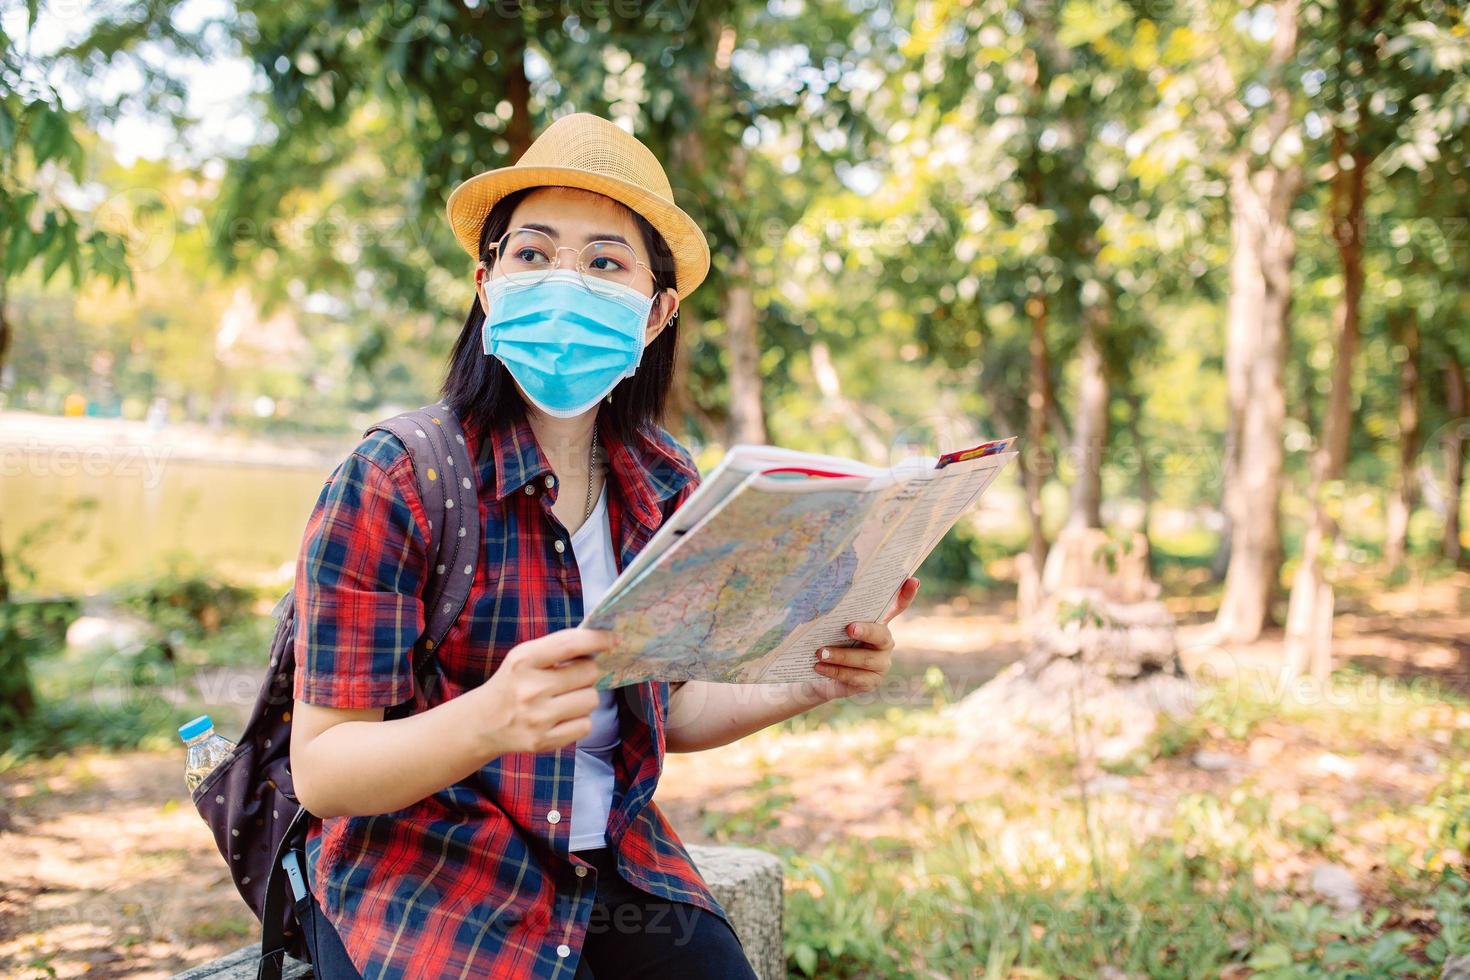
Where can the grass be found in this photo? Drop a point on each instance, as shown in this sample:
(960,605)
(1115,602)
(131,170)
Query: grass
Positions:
(1028,884)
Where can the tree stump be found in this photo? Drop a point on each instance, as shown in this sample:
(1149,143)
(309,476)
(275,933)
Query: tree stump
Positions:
(1102,667)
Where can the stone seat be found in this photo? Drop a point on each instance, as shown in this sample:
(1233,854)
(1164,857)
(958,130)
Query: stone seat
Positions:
(746,881)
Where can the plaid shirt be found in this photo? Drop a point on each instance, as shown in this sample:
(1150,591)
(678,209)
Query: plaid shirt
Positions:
(476,880)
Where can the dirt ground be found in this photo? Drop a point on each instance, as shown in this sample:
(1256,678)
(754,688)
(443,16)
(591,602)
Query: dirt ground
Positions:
(106,869)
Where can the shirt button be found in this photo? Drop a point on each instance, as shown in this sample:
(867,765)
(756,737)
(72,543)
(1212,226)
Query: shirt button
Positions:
(581,872)
(557,544)
(553,816)
(530,489)
(550,482)
(563,950)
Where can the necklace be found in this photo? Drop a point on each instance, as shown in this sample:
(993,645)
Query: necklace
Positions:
(591,475)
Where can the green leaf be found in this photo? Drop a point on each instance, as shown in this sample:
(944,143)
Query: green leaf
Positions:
(55,257)
(1085,23)
(1272,956)
(806,959)
(45,132)
(20,249)
(7,128)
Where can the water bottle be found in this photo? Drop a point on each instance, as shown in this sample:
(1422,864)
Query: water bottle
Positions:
(205,750)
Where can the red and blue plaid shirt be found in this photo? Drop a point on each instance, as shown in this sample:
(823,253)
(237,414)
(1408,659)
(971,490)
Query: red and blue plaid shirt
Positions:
(476,880)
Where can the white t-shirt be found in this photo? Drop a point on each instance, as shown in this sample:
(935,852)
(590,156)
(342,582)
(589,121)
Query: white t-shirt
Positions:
(592,775)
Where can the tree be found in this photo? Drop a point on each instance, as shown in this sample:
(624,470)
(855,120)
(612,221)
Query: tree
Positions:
(1366,82)
(1406,493)
(43,152)
(1454,456)
(1264,176)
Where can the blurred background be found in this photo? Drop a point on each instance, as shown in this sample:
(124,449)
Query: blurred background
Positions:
(1208,259)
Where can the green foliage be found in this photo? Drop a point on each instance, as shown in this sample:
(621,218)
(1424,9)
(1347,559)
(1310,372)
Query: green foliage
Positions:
(1311,825)
(761,817)
(32,626)
(1011,886)
(1118,545)
(135,697)
(834,923)
(1448,810)
(58,727)
(127,697)
(958,562)
(189,604)
(881,910)
(39,135)
(28,629)
(1081,611)
(1451,904)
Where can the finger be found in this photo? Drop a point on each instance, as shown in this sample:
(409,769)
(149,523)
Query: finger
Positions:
(567,644)
(578,675)
(875,635)
(865,680)
(906,593)
(570,705)
(571,730)
(876,660)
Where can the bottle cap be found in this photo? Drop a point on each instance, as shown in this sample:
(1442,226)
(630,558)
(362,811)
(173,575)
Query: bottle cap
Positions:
(195,728)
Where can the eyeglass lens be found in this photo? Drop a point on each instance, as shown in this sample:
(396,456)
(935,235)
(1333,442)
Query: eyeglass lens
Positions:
(603,263)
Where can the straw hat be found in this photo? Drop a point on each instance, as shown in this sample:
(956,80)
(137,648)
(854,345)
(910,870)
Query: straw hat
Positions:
(587,151)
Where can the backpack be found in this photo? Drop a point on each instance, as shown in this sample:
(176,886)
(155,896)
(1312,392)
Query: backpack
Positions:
(248,799)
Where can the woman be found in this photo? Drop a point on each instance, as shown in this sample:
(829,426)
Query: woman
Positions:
(505,826)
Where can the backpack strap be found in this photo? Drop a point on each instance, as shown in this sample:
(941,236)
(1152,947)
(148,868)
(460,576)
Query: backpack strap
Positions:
(446,480)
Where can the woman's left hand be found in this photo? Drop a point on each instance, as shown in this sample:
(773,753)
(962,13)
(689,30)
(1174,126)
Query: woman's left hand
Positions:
(859,669)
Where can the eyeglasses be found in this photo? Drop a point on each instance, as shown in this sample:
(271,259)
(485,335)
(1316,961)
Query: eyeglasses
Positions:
(602,265)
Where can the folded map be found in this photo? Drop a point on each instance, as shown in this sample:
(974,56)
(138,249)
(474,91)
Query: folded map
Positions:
(773,555)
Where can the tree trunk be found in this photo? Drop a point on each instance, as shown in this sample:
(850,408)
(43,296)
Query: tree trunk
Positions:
(5,329)
(836,405)
(518,94)
(679,409)
(1242,323)
(5,336)
(1401,504)
(1258,314)
(1257,325)
(1145,479)
(1090,431)
(687,157)
(742,344)
(1309,618)
(1454,456)
(1033,458)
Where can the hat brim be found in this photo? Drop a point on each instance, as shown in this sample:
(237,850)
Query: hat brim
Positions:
(471,201)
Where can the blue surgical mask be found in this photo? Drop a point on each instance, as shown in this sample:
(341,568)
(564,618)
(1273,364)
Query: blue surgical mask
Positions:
(565,345)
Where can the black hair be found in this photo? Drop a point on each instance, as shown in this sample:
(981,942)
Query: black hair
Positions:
(479,387)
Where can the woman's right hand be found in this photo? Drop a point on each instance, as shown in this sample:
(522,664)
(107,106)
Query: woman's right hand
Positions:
(541,696)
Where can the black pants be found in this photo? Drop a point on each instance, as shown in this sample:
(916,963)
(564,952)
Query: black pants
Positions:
(631,935)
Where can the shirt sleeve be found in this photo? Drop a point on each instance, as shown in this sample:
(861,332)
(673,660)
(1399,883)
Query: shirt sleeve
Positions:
(363,560)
